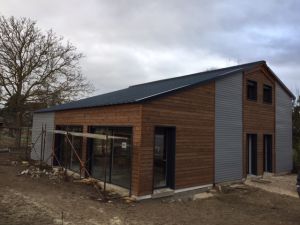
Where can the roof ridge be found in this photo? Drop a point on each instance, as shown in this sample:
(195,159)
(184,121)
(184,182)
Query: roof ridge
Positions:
(199,73)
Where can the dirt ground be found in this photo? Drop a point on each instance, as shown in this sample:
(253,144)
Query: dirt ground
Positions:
(285,185)
(38,201)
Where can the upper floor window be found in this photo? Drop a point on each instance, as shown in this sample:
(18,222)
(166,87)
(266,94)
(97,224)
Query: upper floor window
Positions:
(252,90)
(267,93)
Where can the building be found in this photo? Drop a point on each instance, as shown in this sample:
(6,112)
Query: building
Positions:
(182,133)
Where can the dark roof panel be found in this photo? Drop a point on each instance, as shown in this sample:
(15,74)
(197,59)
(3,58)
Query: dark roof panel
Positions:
(142,92)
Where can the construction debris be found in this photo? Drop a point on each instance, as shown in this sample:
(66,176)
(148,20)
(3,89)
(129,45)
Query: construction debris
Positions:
(35,172)
(88,181)
(129,199)
(25,163)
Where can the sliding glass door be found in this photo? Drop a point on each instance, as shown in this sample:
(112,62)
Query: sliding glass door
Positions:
(120,170)
(114,160)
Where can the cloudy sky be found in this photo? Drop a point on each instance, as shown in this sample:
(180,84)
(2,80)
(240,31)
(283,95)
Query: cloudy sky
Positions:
(130,42)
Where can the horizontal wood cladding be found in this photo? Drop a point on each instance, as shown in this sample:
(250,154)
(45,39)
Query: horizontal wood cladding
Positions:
(120,115)
(192,113)
(258,117)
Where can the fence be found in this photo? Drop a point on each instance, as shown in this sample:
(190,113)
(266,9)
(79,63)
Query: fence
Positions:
(16,140)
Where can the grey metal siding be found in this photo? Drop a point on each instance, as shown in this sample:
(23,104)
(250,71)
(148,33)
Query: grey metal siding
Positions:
(284,149)
(229,129)
(39,120)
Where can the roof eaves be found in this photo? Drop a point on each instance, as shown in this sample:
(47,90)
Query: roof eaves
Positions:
(281,83)
(49,110)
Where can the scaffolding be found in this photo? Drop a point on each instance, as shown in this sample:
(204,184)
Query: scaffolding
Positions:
(67,134)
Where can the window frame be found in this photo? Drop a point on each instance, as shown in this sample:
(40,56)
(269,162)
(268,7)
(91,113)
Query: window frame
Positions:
(248,91)
(270,95)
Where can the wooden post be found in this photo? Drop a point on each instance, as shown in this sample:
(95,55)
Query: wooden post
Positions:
(26,149)
(75,153)
(84,152)
(44,141)
(66,138)
(105,163)
(41,147)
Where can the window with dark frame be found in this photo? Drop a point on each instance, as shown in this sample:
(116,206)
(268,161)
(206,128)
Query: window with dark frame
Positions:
(267,93)
(252,90)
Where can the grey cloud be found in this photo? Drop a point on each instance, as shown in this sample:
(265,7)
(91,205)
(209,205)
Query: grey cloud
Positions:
(128,42)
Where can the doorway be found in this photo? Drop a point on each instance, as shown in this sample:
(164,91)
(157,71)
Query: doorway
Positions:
(164,157)
(252,154)
(268,165)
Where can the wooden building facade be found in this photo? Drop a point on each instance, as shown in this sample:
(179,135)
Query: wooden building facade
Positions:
(183,133)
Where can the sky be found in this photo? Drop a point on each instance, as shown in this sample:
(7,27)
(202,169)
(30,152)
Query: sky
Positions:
(131,42)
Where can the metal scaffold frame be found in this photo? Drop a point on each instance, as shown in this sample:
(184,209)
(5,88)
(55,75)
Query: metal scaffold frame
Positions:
(67,134)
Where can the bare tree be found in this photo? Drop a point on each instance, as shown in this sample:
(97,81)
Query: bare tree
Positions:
(37,67)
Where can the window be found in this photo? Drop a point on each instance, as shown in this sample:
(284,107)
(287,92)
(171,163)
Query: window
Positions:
(65,155)
(267,94)
(114,160)
(252,90)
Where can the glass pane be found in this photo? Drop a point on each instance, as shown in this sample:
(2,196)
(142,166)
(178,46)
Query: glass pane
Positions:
(64,152)
(100,156)
(121,154)
(159,161)
(268,153)
(77,144)
(118,155)
(252,90)
(267,94)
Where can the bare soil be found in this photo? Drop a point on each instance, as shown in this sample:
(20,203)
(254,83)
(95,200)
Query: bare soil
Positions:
(285,184)
(38,201)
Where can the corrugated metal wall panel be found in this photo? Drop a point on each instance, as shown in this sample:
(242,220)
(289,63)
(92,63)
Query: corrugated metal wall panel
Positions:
(284,149)
(229,129)
(40,119)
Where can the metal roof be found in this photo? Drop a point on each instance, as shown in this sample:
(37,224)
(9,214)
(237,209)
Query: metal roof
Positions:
(150,90)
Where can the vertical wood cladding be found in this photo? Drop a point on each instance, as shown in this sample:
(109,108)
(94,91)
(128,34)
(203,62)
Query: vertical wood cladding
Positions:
(120,115)
(259,117)
(192,112)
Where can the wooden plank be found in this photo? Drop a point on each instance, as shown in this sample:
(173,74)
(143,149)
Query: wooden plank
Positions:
(87,135)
